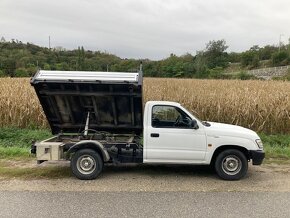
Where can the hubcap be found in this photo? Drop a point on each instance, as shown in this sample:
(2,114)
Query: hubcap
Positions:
(86,164)
(231,165)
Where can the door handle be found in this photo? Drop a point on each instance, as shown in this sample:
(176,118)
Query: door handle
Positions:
(154,135)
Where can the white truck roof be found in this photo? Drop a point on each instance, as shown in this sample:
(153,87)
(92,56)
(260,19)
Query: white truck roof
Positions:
(48,75)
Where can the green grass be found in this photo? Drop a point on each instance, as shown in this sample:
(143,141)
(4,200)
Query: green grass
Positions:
(15,142)
(276,146)
(16,137)
(15,152)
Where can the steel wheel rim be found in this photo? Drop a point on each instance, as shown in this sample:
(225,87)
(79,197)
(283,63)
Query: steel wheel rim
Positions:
(231,165)
(86,164)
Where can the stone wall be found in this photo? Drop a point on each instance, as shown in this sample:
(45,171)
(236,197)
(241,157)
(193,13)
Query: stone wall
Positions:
(268,73)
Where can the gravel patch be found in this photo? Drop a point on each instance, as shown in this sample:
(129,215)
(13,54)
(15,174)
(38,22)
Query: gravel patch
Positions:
(157,178)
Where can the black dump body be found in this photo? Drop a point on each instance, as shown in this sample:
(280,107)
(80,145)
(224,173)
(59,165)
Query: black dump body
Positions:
(113,100)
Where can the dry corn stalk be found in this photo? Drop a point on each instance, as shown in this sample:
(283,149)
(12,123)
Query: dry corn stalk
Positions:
(259,105)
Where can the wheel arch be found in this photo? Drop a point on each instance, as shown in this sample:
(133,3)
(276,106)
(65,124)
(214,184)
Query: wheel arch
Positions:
(222,148)
(94,145)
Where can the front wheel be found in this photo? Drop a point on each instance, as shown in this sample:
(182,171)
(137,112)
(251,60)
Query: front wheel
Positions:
(231,164)
(86,164)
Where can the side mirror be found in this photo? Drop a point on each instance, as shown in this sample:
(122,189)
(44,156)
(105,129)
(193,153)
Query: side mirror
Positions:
(194,124)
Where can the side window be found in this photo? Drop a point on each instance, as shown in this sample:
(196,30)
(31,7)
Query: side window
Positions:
(169,117)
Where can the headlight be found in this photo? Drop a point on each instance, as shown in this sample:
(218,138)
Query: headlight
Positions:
(259,143)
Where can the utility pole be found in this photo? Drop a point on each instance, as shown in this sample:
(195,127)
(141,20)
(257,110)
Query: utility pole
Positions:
(49,42)
(280,36)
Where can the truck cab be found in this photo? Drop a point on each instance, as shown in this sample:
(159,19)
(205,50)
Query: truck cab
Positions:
(173,135)
(98,118)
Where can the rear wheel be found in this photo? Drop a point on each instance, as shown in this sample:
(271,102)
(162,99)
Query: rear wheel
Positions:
(86,164)
(231,164)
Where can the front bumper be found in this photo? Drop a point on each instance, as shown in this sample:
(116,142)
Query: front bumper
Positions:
(257,157)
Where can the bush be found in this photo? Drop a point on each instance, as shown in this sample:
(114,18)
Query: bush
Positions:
(250,59)
(244,76)
(2,74)
(46,67)
(21,72)
(216,73)
(280,58)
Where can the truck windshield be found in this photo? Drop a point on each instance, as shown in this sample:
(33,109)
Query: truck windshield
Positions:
(205,123)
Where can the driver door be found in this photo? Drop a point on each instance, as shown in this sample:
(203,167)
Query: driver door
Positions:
(171,138)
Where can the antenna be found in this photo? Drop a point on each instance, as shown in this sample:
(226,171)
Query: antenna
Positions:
(280,43)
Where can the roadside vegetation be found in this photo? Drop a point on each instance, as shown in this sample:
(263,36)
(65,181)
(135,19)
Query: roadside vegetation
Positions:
(276,146)
(15,142)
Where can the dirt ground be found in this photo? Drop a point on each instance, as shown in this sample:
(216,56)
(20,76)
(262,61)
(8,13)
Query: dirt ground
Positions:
(269,177)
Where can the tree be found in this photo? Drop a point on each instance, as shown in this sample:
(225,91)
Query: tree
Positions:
(215,54)
(266,52)
(200,66)
(81,58)
(280,58)
(9,66)
(234,57)
(250,58)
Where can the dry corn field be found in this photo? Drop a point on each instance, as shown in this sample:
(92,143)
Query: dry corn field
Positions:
(263,106)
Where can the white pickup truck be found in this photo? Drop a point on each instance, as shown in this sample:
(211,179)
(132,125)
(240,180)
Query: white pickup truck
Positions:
(97,118)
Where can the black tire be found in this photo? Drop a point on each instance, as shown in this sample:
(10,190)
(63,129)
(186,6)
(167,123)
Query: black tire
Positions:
(86,164)
(231,164)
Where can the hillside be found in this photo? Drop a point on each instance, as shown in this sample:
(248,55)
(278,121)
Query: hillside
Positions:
(19,59)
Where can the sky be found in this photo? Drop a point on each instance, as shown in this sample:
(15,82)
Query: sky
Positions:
(146,28)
